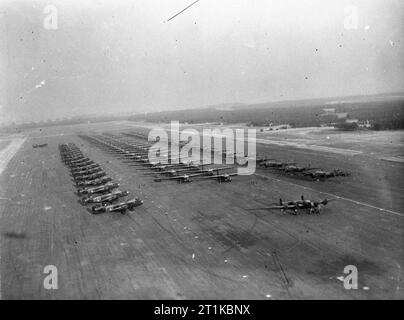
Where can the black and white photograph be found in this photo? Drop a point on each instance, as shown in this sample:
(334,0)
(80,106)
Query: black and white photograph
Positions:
(208,150)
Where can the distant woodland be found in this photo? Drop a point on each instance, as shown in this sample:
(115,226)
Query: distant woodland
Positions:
(383,115)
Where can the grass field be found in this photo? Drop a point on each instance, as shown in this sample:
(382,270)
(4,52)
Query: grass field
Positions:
(198,240)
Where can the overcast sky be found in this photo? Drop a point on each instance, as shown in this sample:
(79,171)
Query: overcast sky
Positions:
(124,56)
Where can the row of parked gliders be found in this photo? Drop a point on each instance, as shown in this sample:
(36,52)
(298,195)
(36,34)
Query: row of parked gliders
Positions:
(94,187)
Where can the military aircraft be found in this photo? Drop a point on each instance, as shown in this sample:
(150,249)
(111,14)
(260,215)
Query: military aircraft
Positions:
(260,159)
(90,176)
(275,164)
(180,179)
(211,171)
(91,166)
(165,166)
(69,150)
(173,172)
(132,155)
(82,165)
(71,157)
(105,198)
(74,159)
(119,207)
(71,153)
(95,182)
(225,177)
(140,155)
(125,153)
(292,207)
(321,174)
(39,145)
(78,162)
(295,168)
(195,168)
(68,158)
(102,188)
(139,159)
(159,166)
(85,172)
(208,172)
(146,161)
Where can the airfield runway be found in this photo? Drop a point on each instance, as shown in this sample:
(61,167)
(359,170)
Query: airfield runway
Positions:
(198,240)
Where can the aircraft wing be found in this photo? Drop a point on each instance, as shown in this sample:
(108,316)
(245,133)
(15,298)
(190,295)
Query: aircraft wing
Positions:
(220,176)
(218,169)
(171,178)
(266,208)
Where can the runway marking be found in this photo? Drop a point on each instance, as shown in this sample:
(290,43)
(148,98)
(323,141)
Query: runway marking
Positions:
(393,159)
(266,141)
(5,156)
(284,278)
(51,135)
(312,147)
(9,151)
(333,195)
